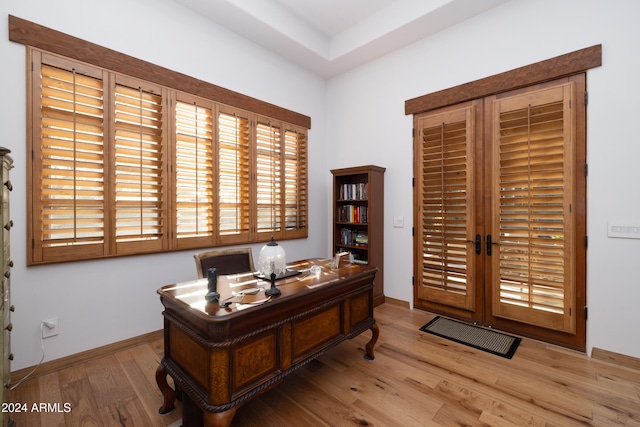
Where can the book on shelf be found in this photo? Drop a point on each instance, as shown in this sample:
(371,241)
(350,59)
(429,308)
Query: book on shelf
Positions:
(353,213)
(350,237)
(361,239)
(353,191)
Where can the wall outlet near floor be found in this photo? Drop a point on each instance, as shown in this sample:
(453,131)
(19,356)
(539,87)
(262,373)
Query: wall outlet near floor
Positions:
(50,327)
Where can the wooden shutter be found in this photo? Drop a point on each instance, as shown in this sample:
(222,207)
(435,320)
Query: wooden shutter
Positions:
(139,164)
(533,199)
(194,172)
(295,182)
(234,176)
(268,179)
(446,215)
(110,174)
(70,156)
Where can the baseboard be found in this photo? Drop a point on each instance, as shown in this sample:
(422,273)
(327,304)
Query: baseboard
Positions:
(399,302)
(68,361)
(617,358)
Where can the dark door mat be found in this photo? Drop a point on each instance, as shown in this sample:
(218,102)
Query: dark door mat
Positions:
(474,336)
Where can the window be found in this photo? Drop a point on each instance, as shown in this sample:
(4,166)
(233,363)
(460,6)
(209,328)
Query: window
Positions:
(138,165)
(69,196)
(234,176)
(126,166)
(194,163)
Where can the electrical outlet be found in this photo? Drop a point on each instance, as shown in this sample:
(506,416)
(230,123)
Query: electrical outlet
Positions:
(50,327)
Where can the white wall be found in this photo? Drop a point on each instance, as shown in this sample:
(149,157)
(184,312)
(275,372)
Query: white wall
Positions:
(357,118)
(100,302)
(366,124)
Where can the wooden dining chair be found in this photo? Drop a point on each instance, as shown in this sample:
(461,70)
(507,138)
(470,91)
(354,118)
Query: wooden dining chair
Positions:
(226,261)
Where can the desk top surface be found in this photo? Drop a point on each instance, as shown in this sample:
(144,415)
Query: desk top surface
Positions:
(192,294)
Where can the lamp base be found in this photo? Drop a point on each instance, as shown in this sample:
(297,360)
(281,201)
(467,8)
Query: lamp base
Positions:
(273,290)
(212,296)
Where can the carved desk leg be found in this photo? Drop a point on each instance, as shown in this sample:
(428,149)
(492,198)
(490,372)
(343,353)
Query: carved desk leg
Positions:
(219,419)
(168,393)
(375,332)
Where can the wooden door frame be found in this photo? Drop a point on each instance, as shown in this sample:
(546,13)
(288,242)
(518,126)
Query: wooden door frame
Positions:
(568,65)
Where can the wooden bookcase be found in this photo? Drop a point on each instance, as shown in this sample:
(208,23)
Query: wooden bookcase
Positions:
(358,218)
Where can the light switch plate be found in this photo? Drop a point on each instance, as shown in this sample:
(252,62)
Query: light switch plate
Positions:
(623,230)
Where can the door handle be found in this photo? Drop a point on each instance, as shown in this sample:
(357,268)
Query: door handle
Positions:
(488,244)
(478,244)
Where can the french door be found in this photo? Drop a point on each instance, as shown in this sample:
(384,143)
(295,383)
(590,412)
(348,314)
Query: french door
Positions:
(500,190)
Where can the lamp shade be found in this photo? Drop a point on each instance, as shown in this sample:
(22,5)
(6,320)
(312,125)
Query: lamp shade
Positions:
(272,259)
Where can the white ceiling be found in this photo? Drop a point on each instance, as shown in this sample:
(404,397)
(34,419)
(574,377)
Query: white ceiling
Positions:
(329,37)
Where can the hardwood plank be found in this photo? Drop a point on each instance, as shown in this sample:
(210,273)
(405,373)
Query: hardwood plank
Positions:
(108,381)
(85,410)
(128,412)
(96,353)
(31,388)
(621,359)
(145,387)
(416,379)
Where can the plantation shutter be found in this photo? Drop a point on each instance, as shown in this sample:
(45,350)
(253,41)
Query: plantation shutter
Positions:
(234,176)
(268,180)
(446,214)
(533,198)
(71,159)
(139,163)
(120,166)
(295,183)
(193,166)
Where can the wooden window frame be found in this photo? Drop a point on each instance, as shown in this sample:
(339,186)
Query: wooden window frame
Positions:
(118,69)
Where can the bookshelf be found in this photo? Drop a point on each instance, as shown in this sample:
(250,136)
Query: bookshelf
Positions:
(358,218)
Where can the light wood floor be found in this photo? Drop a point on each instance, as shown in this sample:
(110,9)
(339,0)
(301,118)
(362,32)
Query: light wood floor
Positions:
(416,380)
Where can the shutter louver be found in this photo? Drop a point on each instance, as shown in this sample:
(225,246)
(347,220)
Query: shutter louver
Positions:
(234,182)
(194,171)
(72,156)
(269,179)
(531,202)
(446,215)
(295,180)
(534,206)
(138,165)
(445,204)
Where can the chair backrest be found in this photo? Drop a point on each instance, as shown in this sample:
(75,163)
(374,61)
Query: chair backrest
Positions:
(226,261)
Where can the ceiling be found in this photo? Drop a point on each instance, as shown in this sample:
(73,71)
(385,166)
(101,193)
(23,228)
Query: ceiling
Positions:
(330,37)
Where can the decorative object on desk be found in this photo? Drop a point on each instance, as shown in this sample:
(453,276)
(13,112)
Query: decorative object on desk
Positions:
(272,289)
(315,270)
(335,262)
(272,263)
(272,259)
(212,286)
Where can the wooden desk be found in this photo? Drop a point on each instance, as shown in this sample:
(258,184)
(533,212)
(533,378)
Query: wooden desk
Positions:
(221,357)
